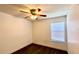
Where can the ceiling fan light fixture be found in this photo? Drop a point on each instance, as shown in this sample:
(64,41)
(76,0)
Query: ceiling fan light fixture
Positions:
(33,17)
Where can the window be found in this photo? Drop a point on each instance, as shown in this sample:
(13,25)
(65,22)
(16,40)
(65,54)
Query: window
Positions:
(58,31)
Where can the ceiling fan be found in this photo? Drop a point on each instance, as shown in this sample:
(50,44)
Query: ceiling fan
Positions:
(34,13)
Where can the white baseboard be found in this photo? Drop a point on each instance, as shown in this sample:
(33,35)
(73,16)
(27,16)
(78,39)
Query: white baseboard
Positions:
(20,48)
(48,46)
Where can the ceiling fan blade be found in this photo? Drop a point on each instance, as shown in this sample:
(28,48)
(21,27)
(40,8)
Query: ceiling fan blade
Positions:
(23,11)
(39,9)
(43,15)
(26,16)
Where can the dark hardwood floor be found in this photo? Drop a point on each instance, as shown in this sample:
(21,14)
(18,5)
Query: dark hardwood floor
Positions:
(38,49)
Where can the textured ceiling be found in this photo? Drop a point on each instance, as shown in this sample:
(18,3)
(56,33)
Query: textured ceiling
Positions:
(13,9)
(47,7)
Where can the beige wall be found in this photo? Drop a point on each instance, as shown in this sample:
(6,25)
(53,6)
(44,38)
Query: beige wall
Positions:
(73,29)
(41,33)
(15,33)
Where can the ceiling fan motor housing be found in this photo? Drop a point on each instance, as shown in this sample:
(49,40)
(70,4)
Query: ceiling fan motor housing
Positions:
(33,11)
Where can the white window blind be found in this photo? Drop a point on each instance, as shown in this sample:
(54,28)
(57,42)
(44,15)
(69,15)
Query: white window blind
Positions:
(58,31)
